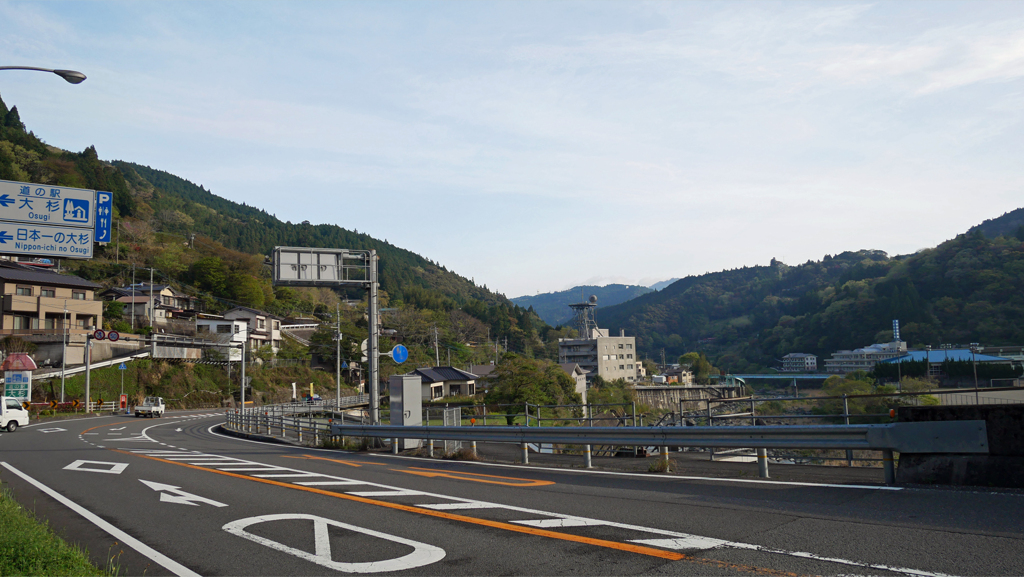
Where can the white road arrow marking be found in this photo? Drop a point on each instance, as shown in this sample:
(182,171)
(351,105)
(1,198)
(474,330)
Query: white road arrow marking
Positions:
(172,494)
(118,429)
(178,430)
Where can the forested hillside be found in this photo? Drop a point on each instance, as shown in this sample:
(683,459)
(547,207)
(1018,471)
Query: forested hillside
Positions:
(553,308)
(217,249)
(969,289)
(1009,224)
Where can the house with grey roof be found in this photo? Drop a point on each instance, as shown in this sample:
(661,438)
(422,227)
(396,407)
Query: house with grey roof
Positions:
(440,382)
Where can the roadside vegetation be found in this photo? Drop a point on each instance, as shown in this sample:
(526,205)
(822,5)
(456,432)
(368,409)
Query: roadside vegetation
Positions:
(28,547)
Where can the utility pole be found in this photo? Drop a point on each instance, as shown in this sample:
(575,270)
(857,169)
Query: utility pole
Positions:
(152,306)
(117,255)
(437,355)
(64,351)
(974,365)
(337,356)
(133,297)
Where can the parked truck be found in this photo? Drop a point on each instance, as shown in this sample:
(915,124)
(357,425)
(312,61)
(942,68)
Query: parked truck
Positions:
(150,407)
(12,414)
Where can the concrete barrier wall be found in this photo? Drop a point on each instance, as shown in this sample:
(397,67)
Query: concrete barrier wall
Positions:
(668,397)
(1002,467)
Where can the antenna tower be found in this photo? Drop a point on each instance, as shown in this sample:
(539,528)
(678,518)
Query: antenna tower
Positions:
(584,320)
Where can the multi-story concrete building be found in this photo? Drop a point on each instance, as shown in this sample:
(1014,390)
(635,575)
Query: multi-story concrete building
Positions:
(601,355)
(863,359)
(221,330)
(799,363)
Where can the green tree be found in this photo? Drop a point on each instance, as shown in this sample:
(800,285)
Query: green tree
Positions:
(700,366)
(519,380)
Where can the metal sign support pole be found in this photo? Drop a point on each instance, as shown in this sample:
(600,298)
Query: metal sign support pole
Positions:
(243,373)
(373,346)
(88,367)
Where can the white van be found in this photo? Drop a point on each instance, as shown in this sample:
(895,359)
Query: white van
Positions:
(12,414)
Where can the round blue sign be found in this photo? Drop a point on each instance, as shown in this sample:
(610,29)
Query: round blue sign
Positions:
(400,354)
(99,335)
(113,336)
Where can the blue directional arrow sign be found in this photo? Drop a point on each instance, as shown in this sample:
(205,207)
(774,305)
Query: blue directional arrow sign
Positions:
(5,236)
(47,204)
(400,354)
(123,366)
(6,201)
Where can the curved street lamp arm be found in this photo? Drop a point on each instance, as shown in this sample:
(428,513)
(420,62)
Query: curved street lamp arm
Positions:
(72,76)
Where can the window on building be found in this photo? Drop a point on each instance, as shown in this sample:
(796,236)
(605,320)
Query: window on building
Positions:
(83,322)
(629,356)
(23,291)
(238,329)
(78,295)
(49,323)
(622,367)
(277,325)
(261,323)
(224,329)
(22,323)
(436,391)
(604,357)
(48,292)
(629,345)
(620,345)
(630,367)
(455,389)
(203,329)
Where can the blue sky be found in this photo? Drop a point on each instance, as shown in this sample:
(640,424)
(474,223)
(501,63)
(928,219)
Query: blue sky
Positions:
(535,146)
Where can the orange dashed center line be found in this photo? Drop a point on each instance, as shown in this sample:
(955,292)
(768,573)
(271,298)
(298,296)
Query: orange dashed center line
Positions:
(107,425)
(475,477)
(628,547)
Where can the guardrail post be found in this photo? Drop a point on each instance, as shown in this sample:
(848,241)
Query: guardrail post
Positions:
(526,454)
(394,446)
(664,456)
(846,419)
(298,425)
(587,457)
(284,435)
(430,449)
(889,466)
(316,430)
(762,463)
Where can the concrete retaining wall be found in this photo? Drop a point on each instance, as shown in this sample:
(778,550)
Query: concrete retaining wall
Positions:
(668,397)
(1002,467)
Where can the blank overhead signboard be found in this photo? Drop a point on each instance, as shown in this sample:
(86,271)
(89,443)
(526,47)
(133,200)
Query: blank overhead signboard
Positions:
(299,266)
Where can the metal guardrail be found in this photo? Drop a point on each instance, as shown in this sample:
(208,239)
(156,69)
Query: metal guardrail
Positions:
(929,437)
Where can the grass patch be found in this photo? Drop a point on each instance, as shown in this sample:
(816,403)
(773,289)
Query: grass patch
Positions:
(28,547)
(462,455)
(659,465)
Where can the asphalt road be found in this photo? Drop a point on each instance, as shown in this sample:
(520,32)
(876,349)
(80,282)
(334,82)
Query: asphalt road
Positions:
(171,496)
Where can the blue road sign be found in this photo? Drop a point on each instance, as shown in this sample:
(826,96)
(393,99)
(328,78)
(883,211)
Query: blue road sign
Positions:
(344,365)
(123,366)
(47,204)
(104,207)
(400,354)
(43,240)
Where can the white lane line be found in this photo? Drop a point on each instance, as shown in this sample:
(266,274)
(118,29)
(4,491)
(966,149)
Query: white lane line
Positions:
(233,469)
(157,557)
(288,475)
(691,542)
(456,506)
(566,522)
(326,483)
(647,476)
(816,557)
(393,493)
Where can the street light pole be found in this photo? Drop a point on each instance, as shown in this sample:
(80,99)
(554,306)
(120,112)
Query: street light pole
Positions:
(72,76)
